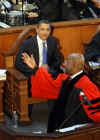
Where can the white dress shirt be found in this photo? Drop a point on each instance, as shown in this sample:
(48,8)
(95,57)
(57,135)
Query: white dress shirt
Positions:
(40,45)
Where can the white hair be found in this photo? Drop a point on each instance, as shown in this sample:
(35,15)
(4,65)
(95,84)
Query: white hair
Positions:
(77,55)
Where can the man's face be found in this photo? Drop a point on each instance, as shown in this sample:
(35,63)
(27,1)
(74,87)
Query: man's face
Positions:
(43,31)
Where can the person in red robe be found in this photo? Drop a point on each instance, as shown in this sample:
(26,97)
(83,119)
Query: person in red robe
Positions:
(61,89)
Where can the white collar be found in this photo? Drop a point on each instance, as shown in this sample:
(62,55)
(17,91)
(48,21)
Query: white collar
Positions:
(40,40)
(73,76)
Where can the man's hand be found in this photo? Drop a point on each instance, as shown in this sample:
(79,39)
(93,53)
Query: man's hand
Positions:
(29,60)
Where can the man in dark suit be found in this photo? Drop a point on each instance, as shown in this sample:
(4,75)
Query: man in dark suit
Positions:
(33,46)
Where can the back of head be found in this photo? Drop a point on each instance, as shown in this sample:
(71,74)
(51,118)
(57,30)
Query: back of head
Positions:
(75,63)
(78,59)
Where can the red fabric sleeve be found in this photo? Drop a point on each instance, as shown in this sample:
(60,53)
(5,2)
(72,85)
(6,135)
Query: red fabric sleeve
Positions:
(91,92)
(44,86)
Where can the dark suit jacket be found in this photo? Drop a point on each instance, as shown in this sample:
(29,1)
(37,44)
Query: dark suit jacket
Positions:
(30,46)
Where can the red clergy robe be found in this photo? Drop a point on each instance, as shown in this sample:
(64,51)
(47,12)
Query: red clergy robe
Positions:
(92,93)
(44,86)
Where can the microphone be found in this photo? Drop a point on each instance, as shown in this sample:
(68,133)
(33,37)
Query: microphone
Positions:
(85,99)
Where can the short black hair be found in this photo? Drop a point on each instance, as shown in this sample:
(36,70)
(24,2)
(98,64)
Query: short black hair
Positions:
(45,22)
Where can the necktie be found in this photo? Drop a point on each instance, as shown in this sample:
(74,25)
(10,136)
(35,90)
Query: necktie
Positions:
(44,53)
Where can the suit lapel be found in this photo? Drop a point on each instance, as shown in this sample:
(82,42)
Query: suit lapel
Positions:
(36,49)
(48,47)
